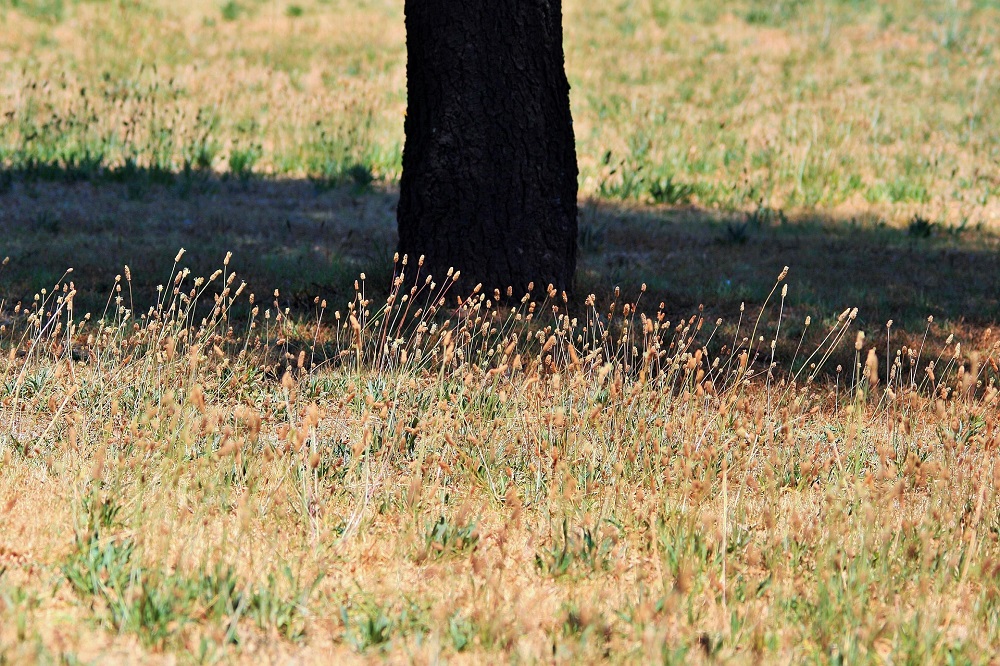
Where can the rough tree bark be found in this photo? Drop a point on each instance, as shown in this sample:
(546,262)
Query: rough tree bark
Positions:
(489,178)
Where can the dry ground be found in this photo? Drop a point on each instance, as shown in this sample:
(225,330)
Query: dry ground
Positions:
(792,480)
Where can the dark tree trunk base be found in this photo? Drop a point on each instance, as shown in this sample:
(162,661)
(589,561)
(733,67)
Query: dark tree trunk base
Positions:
(489,179)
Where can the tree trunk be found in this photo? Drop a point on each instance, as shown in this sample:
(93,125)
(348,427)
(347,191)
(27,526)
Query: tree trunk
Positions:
(489,166)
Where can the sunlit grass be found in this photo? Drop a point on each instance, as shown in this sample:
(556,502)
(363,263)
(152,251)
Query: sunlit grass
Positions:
(213,470)
(439,475)
(845,106)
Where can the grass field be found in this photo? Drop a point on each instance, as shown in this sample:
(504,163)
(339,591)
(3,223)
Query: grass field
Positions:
(713,458)
(849,104)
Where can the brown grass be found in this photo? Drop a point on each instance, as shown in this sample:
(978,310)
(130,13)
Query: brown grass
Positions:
(749,472)
(488,488)
(854,108)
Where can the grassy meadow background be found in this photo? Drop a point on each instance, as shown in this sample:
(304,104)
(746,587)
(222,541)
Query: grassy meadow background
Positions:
(733,140)
(274,455)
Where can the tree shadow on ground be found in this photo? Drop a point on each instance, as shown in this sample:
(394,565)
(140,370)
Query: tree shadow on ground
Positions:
(310,241)
(689,257)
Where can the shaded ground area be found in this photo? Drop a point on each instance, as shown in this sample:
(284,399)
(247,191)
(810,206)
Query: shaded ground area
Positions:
(690,257)
(309,241)
(287,235)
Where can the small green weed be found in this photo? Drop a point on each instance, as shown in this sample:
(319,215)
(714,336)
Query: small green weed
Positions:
(232,10)
(669,191)
(281,603)
(461,631)
(368,626)
(446,537)
(242,161)
(582,548)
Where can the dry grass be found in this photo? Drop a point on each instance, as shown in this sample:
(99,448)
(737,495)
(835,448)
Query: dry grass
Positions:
(195,474)
(430,480)
(850,106)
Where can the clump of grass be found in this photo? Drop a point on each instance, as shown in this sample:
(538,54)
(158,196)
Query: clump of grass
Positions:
(667,190)
(370,626)
(920,227)
(581,548)
(242,161)
(446,537)
(232,10)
